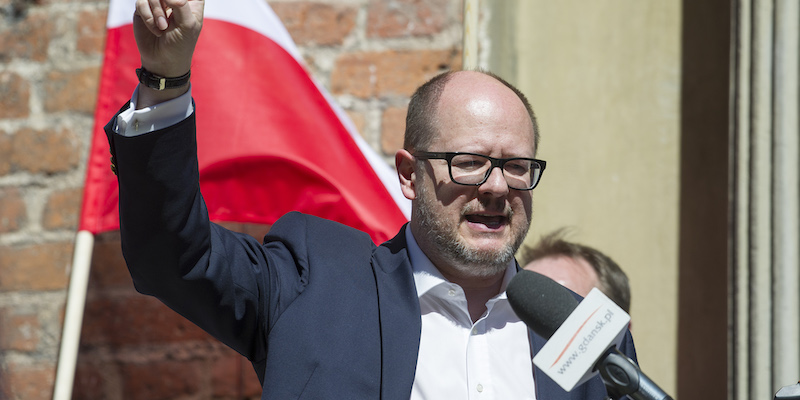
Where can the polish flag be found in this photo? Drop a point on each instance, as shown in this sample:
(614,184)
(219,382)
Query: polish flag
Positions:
(270,138)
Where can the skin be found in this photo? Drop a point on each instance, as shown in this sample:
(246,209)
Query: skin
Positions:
(485,223)
(575,274)
(166,33)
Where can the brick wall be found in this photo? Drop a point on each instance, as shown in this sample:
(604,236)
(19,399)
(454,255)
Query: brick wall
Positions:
(371,54)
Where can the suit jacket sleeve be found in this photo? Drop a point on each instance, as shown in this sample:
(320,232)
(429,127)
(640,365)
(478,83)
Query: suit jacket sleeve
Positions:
(226,283)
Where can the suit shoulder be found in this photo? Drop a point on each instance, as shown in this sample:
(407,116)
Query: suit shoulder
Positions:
(296,227)
(318,225)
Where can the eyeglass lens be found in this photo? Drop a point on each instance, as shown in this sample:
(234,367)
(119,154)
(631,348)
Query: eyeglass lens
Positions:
(470,169)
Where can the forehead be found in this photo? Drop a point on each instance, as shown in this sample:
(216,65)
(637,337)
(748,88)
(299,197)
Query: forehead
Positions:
(575,274)
(478,113)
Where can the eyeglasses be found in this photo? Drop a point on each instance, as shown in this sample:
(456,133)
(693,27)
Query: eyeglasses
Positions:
(474,169)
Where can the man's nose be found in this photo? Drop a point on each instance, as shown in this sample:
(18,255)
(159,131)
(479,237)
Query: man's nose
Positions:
(495,184)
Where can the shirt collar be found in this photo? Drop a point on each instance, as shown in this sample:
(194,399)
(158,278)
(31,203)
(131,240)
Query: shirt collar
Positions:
(427,276)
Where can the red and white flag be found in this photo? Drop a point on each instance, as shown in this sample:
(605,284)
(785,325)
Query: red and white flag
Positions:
(270,139)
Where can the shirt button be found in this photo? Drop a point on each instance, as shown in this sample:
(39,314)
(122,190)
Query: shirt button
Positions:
(451,292)
(479,388)
(474,331)
(136,125)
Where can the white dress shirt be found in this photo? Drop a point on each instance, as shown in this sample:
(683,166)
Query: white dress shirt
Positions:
(133,122)
(458,359)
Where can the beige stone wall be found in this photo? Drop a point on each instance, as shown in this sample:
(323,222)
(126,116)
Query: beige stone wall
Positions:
(604,79)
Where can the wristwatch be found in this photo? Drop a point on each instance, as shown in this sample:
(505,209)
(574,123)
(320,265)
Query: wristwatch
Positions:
(157,82)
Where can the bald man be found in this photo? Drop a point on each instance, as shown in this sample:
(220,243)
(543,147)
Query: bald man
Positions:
(319,310)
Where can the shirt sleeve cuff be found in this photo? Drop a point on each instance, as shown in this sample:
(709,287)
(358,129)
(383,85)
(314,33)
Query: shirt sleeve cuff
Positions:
(133,122)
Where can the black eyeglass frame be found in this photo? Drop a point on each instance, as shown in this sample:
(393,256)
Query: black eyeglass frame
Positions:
(496,162)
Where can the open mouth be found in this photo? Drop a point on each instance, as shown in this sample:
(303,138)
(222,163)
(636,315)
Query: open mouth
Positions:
(492,222)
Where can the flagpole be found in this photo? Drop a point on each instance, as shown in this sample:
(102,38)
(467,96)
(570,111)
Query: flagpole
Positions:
(470,40)
(73,316)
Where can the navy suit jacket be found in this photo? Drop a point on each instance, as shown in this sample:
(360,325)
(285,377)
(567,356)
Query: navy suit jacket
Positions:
(319,310)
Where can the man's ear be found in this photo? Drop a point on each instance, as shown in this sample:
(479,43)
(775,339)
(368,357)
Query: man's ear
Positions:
(406,170)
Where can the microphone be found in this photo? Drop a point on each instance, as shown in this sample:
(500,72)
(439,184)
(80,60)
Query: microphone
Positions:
(582,337)
(791,392)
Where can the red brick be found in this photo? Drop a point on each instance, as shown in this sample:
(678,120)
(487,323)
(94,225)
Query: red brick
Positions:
(35,267)
(90,380)
(92,31)
(388,73)
(251,383)
(359,120)
(47,151)
(63,209)
(14,94)
(28,38)
(5,391)
(18,332)
(108,266)
(31,382)
(161,380)
(5,153)
(71,90)
(310,65)
(231,226)
(225,376)
(13,213)
(393,125)
(232,376)
(257,231)
(316,23)
(406,17)
(135,319)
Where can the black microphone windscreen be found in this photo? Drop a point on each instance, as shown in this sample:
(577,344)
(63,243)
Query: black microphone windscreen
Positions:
(540,302)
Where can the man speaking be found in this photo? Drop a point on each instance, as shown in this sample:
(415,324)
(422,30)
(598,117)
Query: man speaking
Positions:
(319,310)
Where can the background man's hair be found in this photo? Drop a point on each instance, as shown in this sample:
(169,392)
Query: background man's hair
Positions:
(613,281)
(423,107)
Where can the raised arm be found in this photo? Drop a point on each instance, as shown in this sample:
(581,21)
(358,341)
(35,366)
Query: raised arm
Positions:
(209,275)
(166,33)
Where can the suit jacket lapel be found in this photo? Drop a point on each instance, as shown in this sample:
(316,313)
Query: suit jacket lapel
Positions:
(400,319)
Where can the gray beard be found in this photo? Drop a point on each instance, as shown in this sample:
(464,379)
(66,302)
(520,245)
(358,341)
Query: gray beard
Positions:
(468,262)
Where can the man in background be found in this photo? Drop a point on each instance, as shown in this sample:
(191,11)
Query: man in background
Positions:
(577,267)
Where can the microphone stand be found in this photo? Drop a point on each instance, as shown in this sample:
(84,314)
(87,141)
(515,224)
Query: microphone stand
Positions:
(622,377)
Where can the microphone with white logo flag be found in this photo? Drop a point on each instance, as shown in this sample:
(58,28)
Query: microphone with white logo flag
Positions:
(582,337)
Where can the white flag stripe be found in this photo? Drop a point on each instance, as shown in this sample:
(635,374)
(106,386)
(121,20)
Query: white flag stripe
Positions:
(120,12)
(254,15)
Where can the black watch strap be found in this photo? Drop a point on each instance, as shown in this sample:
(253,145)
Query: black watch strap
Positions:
(156,82)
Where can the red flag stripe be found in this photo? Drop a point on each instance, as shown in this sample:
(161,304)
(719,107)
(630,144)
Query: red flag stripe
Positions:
(269,139)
